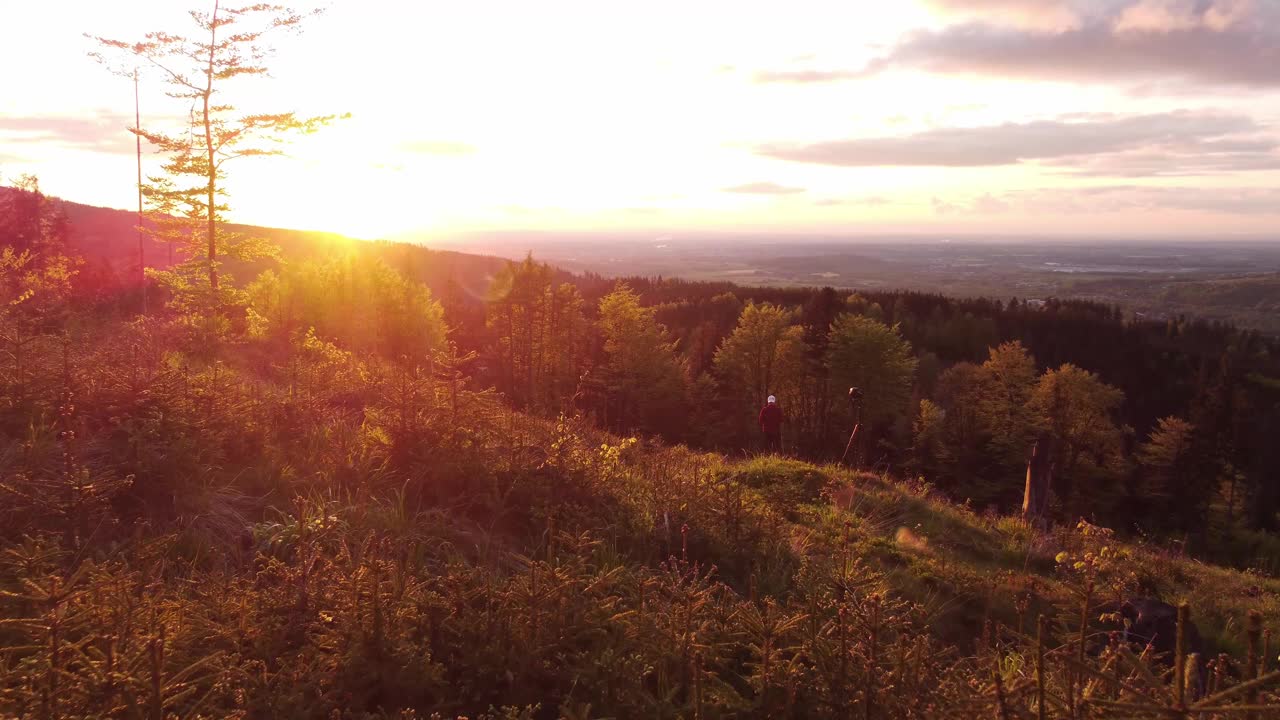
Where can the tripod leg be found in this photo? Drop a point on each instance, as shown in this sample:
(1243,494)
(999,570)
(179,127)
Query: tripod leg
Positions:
(849,444)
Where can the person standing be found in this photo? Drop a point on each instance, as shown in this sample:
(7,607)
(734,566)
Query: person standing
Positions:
(771,425)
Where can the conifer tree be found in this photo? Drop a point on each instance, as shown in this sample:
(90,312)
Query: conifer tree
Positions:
(541,334)
(1177,484)
(36,276)
(1005,406)
(644,378)
(1079,410)
(226,44)
(763,356)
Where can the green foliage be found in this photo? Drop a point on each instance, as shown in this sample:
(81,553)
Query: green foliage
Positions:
(334,517)
(974,437)
(337,535)
(872,356)
(1079,410)
(356,299)
(1175,479)
(1007,416)
(786,483)
(762,355)
(188,201)
(542,335)
(36,270)
(646,382)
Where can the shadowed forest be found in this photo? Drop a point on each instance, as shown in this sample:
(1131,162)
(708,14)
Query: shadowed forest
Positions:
(257,473)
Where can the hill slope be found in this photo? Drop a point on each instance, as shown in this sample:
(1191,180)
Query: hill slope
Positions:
(108,240)
(486,558)
(303,523)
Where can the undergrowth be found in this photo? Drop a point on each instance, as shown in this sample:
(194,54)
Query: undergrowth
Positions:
(346,538)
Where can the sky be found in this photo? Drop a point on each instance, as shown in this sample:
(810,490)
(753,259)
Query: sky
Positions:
(1052,117)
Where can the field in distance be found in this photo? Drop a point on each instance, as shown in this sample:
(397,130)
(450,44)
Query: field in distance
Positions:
(1230,280)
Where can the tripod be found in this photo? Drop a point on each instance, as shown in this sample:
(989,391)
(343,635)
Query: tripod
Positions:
(855,404)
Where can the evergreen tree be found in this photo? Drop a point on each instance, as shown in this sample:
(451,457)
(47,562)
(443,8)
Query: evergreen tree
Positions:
(1177,484)
(1005,406)
(811,408)
(762,356)
(357,300)
(645,380)
(964,465)
(1264,474)
(226,44)
(1079,410)
(541,335)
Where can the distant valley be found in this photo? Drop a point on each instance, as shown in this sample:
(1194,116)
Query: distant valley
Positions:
(1231,280)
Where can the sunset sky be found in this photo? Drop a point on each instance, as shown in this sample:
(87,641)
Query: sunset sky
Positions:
(1088,117)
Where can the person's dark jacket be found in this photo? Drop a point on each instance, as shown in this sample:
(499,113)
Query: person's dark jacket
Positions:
(771,419)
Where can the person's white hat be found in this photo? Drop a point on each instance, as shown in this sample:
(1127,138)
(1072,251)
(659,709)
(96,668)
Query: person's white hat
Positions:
(772,399)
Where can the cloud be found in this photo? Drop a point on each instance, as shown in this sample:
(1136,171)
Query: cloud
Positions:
(1223,42)
(1034,13)
(1166,15)
(436,147)
(1212,158)
(869,201)
(99,132)
(1180,142)
(989,204)
(1224,201)
(942,207)
(764,188)
(805,76)
(1109,199)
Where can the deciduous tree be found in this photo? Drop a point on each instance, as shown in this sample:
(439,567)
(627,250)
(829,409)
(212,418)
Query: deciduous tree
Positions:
(1079,410)
(867,354)
(762,356)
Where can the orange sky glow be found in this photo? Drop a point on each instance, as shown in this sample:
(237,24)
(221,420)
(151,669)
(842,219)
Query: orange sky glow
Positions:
(1085,117)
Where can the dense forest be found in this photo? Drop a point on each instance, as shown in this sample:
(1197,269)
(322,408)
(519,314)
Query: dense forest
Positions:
(1157,428)
(374,480)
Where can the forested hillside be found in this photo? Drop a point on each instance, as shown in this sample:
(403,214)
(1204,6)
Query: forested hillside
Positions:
(373,480)
(1164,427)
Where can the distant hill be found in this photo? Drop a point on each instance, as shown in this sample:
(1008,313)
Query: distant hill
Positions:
(107,238)
(1248,300)
(1234,281)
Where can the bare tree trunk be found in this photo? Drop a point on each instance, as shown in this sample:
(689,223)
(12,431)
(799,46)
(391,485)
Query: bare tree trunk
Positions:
(142,260)
(213,168)
(1035,495)
(1231,501)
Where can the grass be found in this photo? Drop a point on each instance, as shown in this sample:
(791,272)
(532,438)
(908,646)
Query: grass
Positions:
(547,569)
(972,568)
